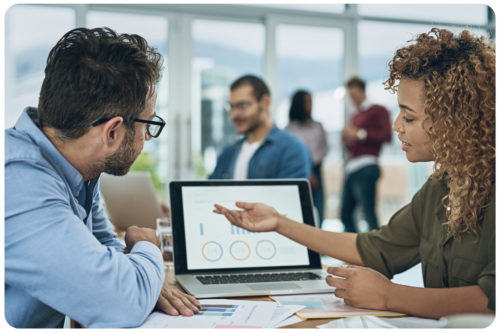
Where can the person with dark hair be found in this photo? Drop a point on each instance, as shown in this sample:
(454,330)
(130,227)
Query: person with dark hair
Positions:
(264,151)
(96,110)
(445,84)
(370,127)
(314,136)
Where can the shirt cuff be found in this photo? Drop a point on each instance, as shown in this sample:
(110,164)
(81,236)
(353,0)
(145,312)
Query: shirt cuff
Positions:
(370,255)
(487,283)
(148,247)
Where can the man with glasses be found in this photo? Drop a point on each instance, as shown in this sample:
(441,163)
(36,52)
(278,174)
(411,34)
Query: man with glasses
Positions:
(264,151)
(96,110)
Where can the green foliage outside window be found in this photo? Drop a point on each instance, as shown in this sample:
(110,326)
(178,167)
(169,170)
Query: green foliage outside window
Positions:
(146,163)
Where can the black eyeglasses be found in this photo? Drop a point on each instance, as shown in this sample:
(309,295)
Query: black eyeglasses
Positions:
(154,127)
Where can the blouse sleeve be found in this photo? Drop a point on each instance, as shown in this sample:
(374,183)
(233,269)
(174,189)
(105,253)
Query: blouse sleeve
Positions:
(322,143)
(394,248)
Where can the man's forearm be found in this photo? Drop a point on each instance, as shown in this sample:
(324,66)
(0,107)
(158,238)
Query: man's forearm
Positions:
(437,302)
(341,246)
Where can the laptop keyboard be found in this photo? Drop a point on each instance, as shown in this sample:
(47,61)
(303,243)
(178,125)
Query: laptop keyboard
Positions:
(257,278)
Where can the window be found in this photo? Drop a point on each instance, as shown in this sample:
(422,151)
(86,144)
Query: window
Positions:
(31,32)
(328,8)
(154,29)
(222,52)
(311,58)
(440,13)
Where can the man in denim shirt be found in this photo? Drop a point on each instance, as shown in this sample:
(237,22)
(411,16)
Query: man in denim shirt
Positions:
(264,151)
(96,110)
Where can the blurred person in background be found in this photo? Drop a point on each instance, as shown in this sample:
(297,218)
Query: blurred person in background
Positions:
(314,136)
(95,112)
(370,127)
(264,151)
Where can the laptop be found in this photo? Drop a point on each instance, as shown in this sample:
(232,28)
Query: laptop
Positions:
(214,258)
(130,200)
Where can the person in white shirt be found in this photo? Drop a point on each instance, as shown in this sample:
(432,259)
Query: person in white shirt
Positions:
(264,151)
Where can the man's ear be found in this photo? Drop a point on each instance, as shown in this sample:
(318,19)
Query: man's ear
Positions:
(265,100)
(113,131)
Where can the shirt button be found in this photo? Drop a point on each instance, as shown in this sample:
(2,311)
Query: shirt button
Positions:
(448,245)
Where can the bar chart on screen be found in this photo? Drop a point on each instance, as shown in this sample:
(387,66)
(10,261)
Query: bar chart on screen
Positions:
(216,243)
(239,231)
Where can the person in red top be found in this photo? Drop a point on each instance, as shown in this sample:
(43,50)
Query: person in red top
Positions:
(370,127)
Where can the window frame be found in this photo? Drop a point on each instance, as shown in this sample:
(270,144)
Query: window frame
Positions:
(180,18)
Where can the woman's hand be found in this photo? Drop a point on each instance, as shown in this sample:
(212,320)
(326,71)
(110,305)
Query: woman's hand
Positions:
(313,179)
(362,287)
(254,217)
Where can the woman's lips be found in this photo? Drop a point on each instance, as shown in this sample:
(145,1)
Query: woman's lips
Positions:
(405,146)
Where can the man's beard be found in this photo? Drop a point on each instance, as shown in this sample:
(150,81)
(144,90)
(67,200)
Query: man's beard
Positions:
(255,122)
(118,163)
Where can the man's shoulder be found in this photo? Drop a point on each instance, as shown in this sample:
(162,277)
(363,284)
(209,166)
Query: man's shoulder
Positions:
(19,146)
(377,108)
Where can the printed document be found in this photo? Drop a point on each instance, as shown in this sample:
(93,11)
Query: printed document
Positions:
(217,313)
(374,322)
(327,306)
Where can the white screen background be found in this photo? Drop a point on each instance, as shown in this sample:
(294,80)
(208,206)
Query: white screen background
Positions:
(212,242)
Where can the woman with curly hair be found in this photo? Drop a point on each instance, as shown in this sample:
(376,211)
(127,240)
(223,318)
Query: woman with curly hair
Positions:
(446,93)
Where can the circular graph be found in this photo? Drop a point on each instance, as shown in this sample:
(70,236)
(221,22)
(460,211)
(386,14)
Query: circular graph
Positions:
(212,251)
(265,249)
(239,250)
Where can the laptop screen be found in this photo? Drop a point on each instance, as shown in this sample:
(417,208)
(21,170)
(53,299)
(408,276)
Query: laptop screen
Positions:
(212,242)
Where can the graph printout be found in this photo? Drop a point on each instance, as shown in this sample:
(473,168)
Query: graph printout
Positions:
(217,313)
(212,242)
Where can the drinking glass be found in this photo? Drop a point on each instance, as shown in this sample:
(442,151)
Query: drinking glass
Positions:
(164,232)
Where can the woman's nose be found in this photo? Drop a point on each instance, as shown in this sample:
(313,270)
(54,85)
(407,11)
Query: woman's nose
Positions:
(396,126)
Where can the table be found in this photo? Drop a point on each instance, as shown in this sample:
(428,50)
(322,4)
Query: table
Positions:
(309,323)
(171,281)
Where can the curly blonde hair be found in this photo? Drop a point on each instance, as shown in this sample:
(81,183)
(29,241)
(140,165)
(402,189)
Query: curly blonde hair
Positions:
(458,72)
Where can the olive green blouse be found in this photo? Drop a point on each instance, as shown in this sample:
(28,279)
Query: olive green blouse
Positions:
(416,234)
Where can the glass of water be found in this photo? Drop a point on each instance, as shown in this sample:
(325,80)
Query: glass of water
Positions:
(164,232)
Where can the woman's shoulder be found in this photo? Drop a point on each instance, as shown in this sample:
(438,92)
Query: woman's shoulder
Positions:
(430,192)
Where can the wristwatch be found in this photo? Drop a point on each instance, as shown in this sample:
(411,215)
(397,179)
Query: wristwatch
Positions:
(361,134)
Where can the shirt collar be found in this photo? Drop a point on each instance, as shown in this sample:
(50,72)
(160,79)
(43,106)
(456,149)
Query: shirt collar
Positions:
(365,105)
(28,123)
(271,136)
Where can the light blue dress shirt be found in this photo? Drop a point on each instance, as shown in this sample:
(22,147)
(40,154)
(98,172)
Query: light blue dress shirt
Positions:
(58,261)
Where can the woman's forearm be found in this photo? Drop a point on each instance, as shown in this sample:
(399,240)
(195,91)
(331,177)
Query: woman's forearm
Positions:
(437,302)
(341,246)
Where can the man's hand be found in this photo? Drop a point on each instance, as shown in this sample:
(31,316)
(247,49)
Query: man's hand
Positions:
(313,179)
(135,235)
(362,287)
(350,134)
(173,302)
